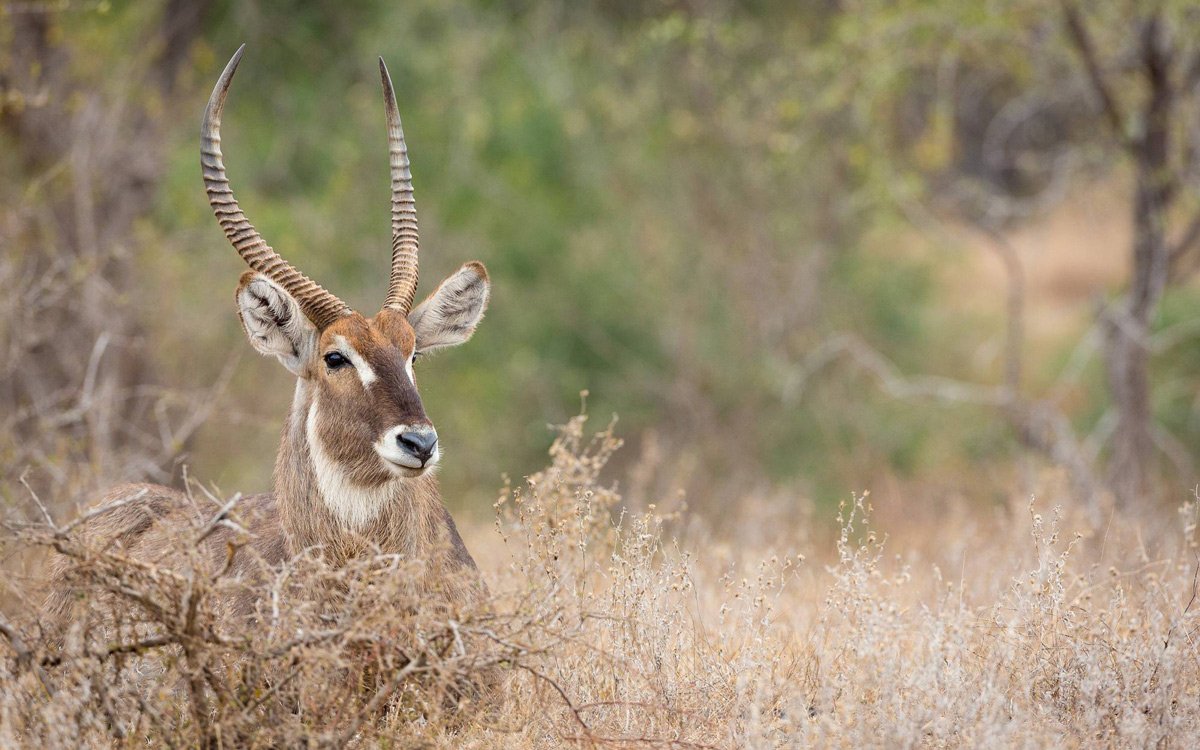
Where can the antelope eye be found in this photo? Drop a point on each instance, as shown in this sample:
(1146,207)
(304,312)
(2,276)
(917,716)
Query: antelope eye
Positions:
(334,360)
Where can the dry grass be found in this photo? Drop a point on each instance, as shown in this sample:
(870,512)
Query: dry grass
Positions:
(994,630)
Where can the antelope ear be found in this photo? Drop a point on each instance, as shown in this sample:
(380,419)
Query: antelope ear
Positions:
(274,323)
(449,316)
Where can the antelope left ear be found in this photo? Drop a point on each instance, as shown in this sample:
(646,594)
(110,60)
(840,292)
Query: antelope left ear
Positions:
(275,323)
(450,314)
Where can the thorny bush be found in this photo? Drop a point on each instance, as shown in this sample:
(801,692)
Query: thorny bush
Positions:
(602,630)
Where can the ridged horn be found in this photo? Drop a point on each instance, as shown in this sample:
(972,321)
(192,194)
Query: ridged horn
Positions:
(319,306)
(405,244)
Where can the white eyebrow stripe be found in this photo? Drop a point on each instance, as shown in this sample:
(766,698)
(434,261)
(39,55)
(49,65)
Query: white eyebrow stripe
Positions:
(365,373)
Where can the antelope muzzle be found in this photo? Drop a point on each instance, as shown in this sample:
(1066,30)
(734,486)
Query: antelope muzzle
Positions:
(410,448)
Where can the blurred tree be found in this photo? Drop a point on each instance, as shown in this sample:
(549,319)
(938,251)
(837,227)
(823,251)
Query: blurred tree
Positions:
(1161,62)
(81,120)
(993,107)
(680,202)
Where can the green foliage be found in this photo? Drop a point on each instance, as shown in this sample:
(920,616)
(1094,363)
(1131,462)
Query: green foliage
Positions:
(676,207)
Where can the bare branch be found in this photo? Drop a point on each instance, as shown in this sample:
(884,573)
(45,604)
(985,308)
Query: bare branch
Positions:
(1082,40)
(221,518)
(1175,452)
(562,694)
(24,655)
(1168,338)
(1100,434)
(888,376)
(1186,242)
(1015,327)
(1038,424)
(342,739)
(1182,260)
(107,508)
(37,500)
(1069,375)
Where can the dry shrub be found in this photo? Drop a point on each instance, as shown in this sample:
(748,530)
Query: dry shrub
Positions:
(159,648)
(602,632)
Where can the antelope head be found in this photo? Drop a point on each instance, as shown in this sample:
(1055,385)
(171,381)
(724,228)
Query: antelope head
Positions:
(365,418)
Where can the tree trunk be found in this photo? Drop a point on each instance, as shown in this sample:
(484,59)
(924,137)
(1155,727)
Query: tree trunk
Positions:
(1128,383)
(1127,329)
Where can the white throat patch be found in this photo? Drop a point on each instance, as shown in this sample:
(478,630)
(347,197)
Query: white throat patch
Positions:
(354,505)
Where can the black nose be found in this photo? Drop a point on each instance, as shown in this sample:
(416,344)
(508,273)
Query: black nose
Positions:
(419,442)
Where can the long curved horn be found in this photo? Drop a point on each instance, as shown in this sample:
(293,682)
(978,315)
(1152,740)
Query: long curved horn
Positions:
(318,305)
(403,286)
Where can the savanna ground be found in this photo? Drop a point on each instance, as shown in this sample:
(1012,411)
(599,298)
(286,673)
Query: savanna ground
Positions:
(616,627)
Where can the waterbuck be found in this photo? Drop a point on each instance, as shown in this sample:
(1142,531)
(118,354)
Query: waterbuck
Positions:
(353,475)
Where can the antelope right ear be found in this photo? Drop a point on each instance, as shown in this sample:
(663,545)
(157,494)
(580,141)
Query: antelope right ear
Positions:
(450,314)
(274,322)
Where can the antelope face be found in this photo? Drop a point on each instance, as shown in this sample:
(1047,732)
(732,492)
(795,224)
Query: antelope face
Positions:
(365,417)
(369,413)
(365,423)
(368,402)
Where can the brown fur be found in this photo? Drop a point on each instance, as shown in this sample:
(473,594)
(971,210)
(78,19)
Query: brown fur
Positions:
(371,447)
(414,522)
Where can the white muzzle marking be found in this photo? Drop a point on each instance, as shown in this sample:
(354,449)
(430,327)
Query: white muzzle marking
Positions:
(400,460)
